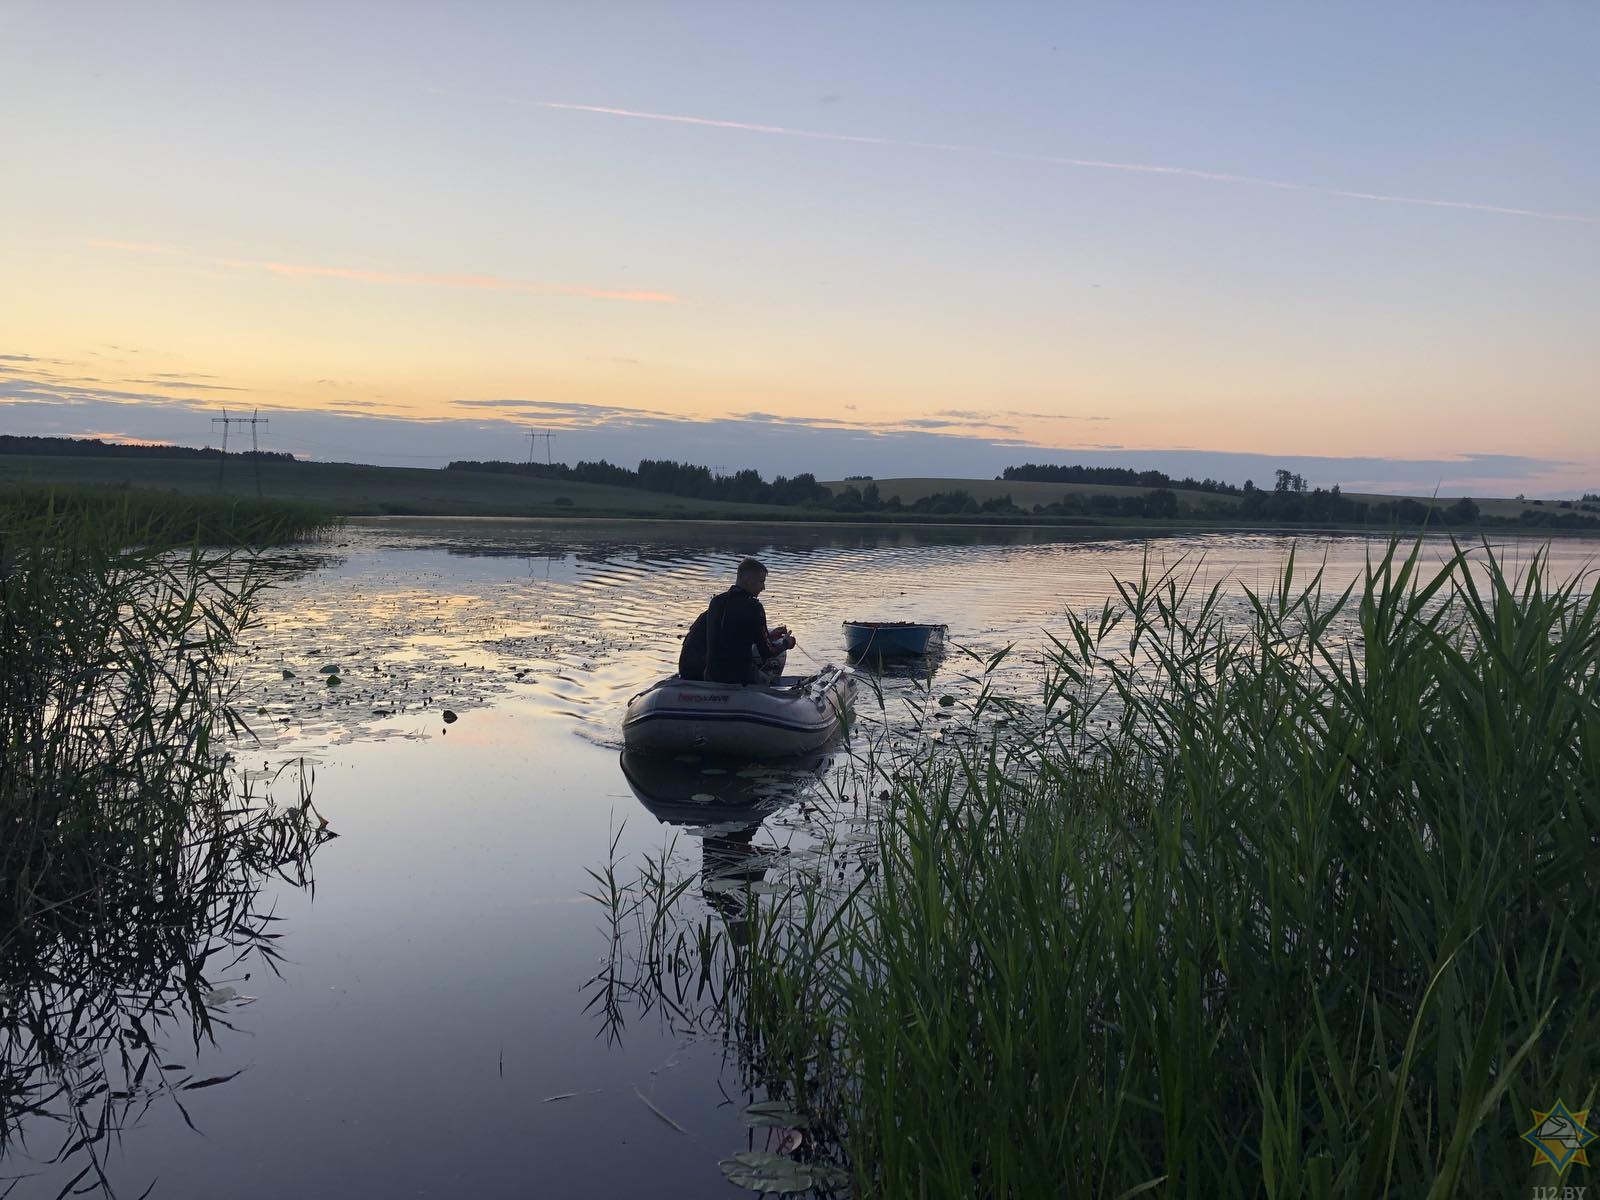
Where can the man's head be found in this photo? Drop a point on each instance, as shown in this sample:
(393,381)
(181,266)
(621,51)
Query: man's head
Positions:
(752,576)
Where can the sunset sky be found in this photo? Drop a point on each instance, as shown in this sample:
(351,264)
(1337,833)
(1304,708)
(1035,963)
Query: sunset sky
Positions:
(1364,239)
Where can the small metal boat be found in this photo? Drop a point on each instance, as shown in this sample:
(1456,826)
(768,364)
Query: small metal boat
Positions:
(890,639)
(793,716)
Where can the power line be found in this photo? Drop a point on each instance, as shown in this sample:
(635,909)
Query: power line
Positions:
(533,436)
(255,421)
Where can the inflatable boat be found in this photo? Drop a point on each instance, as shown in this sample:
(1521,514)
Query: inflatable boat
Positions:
(793,716)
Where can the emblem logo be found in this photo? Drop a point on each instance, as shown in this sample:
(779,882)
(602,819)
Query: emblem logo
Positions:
(1558,1137)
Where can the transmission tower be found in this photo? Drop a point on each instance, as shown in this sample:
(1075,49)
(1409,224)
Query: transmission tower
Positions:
(533,436)
(255,420)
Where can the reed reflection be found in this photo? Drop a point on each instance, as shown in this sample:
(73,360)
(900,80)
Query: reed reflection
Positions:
(725,803)
(671,968)
(132,860)
(99,995)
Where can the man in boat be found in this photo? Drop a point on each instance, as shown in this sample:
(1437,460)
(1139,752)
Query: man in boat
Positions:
(730,641)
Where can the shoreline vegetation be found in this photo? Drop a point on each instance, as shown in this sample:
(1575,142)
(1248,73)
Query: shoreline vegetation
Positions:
(133,851)
(1111,500)
(152,517)
(1288,900)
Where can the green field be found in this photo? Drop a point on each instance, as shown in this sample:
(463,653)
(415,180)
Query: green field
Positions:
(356,490)
(1027,493)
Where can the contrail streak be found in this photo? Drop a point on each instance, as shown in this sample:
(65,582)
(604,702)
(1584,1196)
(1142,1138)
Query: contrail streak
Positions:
(1064,161)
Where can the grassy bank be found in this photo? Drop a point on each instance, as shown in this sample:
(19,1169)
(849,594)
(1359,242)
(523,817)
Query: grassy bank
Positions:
(1299,905)
(147,516)
(350,489)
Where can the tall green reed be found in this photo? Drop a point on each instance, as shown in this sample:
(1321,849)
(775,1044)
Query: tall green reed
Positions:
(131,856)
(150,516)
(1287,899)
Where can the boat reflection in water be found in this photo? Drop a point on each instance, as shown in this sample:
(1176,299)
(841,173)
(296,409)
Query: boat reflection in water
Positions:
(724,802)
(915,667)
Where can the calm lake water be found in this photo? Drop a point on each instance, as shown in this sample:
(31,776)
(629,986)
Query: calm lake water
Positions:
(433,998)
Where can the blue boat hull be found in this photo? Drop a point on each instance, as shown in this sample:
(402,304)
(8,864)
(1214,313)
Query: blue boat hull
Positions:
(867,639)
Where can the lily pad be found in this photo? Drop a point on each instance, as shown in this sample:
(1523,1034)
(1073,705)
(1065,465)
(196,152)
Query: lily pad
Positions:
(946,701)
(330,669)
(288,674)
(763,1172)
(334,681)
(226,995)
(775,1113)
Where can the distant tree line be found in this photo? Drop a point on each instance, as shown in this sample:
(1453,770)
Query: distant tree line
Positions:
(1289,501)
(1159,502)
(1548,520)
(1329,506)
(673,478)
(62,447)
(1117,476)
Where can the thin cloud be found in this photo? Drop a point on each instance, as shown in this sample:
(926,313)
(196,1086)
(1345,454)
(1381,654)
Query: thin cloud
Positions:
(977,416)
(492,283)
(557,410)
(173,381)
(937,423)
(1059,160)
(947,419)
(1039,416)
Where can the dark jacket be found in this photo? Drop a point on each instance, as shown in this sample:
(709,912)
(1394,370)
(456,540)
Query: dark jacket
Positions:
(692,658)
(735,623)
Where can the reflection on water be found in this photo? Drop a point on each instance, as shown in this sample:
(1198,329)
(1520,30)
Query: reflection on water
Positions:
(723,804)
(429,1032)
(700,790)
(920,667)
(98,996)
(424,615)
